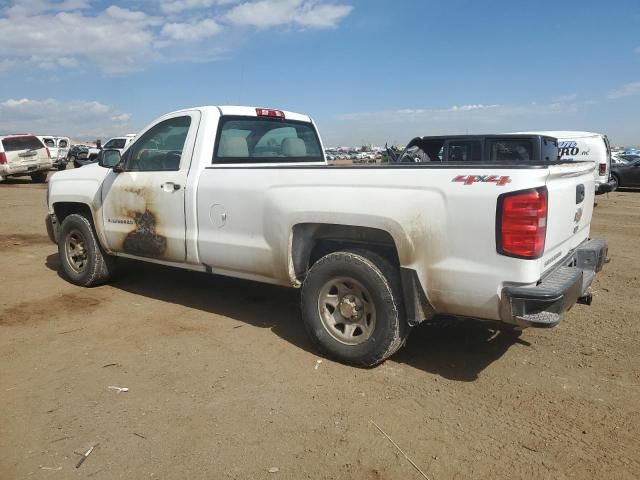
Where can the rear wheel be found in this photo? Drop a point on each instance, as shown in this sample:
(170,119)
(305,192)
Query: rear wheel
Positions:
(39,177)
(352,307)
(62,166)
(83,260)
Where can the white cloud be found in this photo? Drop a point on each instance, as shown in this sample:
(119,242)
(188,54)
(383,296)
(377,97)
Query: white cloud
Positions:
(176,6)
(627,90)
(116,40)
(29,7)
(58,34)
(191,32)
(271,13)
(77,119)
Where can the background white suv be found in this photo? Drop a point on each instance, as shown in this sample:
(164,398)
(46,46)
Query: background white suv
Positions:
(58,148)
(120,142)
(24,155)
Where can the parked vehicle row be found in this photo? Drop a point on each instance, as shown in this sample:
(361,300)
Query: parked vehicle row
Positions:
(247,192)
(332,155)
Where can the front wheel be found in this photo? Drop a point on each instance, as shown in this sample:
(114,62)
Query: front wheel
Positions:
(83,260)
(352,307)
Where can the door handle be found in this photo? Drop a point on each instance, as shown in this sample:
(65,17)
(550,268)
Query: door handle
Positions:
(170,187)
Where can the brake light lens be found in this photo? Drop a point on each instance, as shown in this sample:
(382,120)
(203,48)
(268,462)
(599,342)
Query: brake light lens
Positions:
(3,158)
(48,152)
(521,227)
(602,169)
(267,112)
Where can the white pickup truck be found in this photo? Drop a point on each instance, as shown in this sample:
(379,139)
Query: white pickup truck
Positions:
(246,192)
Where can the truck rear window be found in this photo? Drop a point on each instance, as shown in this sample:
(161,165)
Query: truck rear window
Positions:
(14,144)
(266,140)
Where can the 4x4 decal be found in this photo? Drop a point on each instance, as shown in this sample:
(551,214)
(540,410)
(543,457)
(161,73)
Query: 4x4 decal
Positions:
(499,180)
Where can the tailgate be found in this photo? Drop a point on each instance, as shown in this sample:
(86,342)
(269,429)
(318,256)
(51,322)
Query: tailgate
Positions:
(570,189)
(22,157)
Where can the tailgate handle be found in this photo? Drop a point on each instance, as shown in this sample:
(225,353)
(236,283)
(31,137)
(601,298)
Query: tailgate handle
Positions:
(579,193)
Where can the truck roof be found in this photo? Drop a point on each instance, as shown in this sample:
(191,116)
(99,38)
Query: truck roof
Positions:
(564,134)
(247,111)
(489,136)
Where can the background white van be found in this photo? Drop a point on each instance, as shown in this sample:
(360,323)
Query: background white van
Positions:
(589,147)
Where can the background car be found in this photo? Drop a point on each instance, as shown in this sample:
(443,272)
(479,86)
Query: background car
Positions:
(627,174)
(78,154)
(119,143)
(61,159)
(24,155)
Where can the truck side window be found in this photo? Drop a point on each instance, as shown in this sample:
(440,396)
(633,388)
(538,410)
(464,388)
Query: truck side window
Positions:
(160,148)
(464,151)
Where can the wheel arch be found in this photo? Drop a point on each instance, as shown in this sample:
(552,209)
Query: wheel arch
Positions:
(65,208)
(312,241)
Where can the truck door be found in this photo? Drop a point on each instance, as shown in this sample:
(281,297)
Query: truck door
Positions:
(143,205)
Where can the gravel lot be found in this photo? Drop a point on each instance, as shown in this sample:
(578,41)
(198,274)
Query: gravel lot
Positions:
(224,384)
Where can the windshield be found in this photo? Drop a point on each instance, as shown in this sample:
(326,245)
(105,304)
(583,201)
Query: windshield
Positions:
(266,140)
(116,143)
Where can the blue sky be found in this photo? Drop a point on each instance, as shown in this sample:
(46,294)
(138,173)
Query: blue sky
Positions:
(366,70)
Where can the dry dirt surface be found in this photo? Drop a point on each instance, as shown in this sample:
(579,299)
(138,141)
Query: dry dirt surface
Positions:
(223,382)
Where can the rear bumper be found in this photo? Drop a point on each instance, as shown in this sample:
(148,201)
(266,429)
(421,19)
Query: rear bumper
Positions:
(543,305)
(53,227)
(601,188)
(23,169)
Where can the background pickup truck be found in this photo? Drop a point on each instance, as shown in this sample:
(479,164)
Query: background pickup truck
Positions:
(510,148)
(246,192)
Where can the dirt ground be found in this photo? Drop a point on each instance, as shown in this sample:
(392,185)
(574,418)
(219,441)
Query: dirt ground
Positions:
(223,382)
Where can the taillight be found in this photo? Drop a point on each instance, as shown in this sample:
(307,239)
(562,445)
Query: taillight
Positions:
(268,112)
(3,158)
(521,224)
(602,169)
(48,152)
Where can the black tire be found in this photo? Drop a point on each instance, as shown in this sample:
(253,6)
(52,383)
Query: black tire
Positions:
(62,166)
(39,177)
(616,179)
(381,281)
(97,266)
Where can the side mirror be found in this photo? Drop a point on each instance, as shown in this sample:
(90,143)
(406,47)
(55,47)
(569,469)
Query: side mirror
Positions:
(109,158)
